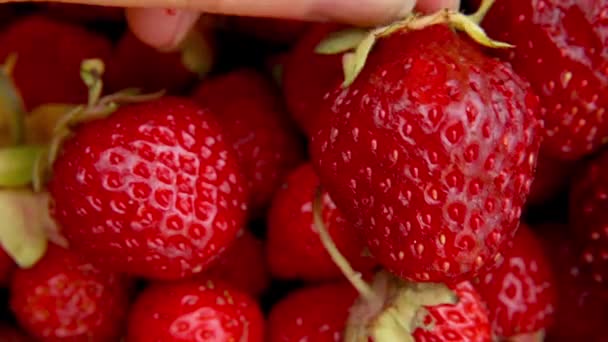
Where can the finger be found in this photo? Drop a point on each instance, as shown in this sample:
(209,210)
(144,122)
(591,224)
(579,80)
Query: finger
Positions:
(161,28)
(351,11)
(429,6)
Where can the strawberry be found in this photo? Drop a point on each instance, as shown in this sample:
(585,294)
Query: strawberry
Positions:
(589,215)
(430,151)
(65,298)
(137,65)
(520,293)
(10,334)
(316,313)
(194,311)
(152,190)
(243,265)
(294,249)
(405,311)
(560,49)
(49,53)
(308,76)
(252,117)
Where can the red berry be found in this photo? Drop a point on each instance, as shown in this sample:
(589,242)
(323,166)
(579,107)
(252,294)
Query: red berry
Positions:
(560,49)
(520,293)
(65,298)
(194,311)
(251,115)
(294,248)
(431,151)
(49,54)
(152,190)
(316,313)
(589,215)
(243,265)
(308,76)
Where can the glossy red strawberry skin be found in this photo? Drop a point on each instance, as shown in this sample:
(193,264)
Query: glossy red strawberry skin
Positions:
(243,265)
(560,47)
(153,190)
(467,320)
(308,76)
(49,56)
(253,119)
(137,65)
(66,298)
(520,293)
(589,215)
(431,152)
(316,313)
(194,311)
(294,249)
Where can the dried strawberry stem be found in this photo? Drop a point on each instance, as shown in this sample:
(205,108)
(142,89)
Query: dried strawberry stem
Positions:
(351,275)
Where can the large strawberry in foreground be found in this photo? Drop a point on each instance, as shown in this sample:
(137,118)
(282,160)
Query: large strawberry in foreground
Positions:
(560,47)
(152,190)
(430,151)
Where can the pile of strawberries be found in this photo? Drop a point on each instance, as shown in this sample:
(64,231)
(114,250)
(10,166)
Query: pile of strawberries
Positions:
(441,178)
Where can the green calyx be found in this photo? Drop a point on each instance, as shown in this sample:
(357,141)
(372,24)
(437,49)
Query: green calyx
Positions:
(356,44)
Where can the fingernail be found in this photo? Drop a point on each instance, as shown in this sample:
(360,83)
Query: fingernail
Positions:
(163,29)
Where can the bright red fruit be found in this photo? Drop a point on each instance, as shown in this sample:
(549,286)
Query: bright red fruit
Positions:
(294,248)
(153,190)
(589,215)
(65,298)
(430,151)
(243,265)
(316,313)
(309,76)
(250,112)
(521,293)
(137,65)
(560,49)
(194,311)
(49,53)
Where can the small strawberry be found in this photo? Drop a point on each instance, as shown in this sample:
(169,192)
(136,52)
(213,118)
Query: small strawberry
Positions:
(49,53)
(253,120)
(317,313)
(560,47)
(151,190)
(65,298)
(430,150)
(10,334)
(308,76)
(404,311)
(243,265)
(520,293)
(589,215)
(294,249)
(137,65)
(194,311)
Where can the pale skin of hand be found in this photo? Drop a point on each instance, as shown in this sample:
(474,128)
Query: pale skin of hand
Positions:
(164,29)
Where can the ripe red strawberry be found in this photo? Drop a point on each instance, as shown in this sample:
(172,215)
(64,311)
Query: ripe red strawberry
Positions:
(153,190)
(10,334)
(7,266)
(589,215)
(582,307)
(65,298)
(404,311)
(317,313)
(431,152)
(294,248)
(252,117)
(520,294)
(308,76)
(194,311)
(137,65)
(560,49)
(49,53)
(243,265)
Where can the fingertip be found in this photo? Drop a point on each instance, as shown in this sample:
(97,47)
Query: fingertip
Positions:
(366,12)
(163,29)
(430,6)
